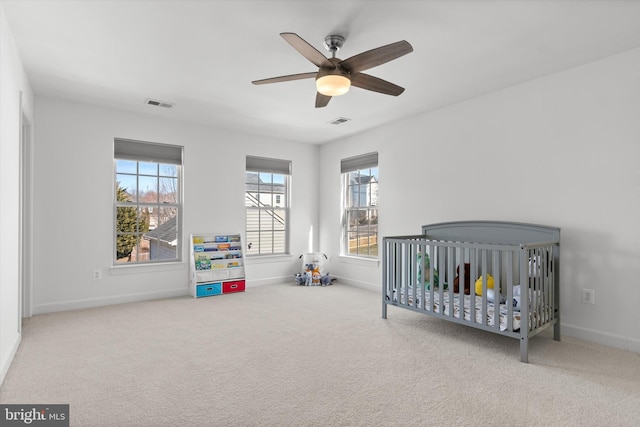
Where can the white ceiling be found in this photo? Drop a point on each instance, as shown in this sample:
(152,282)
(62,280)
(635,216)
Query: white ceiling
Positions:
(202,55)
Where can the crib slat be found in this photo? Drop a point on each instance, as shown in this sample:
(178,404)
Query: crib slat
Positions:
(538,293)
(385,277)
(524,305)
(407,273)
(451,254)
(497,291)
(509,303)
(439,261)
(460,260)
(431,301)
(485,280)
(398,270)
(413,282)
(550,280)
(473,256)
(423,249)
(524,289)
(549,283)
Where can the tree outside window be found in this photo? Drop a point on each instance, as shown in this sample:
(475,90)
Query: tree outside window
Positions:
(147,202)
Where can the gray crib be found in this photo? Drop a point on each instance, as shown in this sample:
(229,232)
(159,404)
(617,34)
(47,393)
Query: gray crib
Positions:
(520,261)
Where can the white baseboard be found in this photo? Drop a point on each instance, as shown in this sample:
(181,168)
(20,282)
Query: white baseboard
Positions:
(121,299)
(98,302)
(358,284)
(634,345)
(270,281)
(6,362)
(599,337)
(585,334)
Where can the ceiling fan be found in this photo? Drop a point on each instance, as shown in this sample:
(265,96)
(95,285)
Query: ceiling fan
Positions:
(334,75)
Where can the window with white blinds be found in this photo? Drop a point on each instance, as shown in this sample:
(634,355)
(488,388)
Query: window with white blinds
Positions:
(267,205)
(147,202)
(360,205)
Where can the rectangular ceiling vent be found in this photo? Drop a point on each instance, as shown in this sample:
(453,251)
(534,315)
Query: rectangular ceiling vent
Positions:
(339,121)
(157,103)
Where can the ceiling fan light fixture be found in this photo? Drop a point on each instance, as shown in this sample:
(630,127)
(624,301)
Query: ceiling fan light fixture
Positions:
(335,76)
(333,84)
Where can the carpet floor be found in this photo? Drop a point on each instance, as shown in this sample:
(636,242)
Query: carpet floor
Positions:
(284,355)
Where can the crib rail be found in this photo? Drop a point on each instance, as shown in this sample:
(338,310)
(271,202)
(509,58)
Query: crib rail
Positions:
(418,275)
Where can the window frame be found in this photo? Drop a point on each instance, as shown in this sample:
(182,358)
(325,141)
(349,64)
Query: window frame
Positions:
(261,166)
(149,153)
(358,165)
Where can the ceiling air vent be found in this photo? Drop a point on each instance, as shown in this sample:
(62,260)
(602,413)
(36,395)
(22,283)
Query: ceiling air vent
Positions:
(339,121)
(157,103)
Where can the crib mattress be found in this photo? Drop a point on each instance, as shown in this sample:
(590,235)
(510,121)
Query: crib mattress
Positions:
(490,312)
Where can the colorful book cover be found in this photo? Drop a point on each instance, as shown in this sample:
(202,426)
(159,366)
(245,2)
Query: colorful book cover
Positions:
(202,262)
(198,239)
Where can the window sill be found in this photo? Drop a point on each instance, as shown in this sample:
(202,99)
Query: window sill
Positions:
(265,259)
(117,270)
(371,262)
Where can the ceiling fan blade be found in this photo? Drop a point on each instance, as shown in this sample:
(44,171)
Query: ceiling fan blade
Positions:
(322,100)
(308,51)
(285,78)
(375,57)
(365,81)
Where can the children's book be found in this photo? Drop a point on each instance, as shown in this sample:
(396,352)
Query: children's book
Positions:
(202,262)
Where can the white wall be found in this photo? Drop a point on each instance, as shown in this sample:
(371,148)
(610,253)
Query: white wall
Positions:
(13,83)
(74,202)
(561,150)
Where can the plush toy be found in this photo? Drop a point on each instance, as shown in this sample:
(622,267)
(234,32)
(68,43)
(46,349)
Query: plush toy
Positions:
(467,279)
(491,297)
(427,272)
(516,297)
(490,283)
(326,280)
(300,279)
(308,278)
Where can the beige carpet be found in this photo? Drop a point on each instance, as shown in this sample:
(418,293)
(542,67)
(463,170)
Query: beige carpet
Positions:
(284,355)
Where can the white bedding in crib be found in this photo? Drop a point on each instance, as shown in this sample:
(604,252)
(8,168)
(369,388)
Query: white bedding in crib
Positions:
(478,309)
(490,312)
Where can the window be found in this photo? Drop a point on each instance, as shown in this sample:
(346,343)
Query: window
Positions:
(360,202)
(267,205)
(147,202)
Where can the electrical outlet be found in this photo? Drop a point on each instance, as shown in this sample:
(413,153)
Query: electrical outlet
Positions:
(588,296)
(97,274)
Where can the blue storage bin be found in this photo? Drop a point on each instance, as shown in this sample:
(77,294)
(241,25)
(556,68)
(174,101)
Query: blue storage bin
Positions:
(208,289)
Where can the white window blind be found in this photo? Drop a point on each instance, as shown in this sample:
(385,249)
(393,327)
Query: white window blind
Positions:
(363,161)
(265,164)
(147,152)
